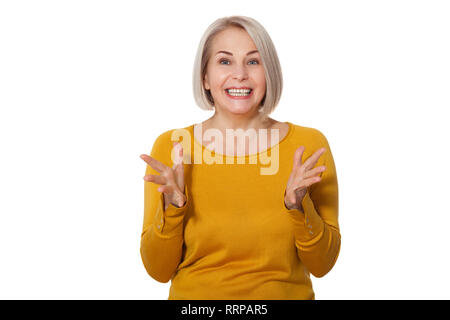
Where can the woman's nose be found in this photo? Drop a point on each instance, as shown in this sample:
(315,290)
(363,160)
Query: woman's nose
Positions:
(240,72)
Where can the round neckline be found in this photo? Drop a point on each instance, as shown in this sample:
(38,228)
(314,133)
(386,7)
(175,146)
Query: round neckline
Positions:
(289,133)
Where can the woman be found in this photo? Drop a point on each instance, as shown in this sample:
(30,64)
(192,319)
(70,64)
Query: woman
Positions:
(225,230)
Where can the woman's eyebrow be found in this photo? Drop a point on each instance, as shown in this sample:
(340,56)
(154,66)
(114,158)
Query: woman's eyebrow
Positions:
(229,53)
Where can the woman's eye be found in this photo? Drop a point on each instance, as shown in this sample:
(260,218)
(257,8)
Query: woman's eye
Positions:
(225,60)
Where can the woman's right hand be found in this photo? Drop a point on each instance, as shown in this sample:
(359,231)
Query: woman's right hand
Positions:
(171,180)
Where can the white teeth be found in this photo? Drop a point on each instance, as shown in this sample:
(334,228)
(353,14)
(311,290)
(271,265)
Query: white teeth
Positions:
(239,92)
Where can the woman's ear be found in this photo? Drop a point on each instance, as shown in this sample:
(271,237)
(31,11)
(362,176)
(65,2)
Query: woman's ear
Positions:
(206,83)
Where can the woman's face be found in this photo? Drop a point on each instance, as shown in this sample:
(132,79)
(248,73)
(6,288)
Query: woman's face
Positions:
(235,63)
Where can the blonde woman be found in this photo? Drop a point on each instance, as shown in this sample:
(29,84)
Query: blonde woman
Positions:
(246,217)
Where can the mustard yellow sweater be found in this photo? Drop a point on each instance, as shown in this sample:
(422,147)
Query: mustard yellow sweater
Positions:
(234,238)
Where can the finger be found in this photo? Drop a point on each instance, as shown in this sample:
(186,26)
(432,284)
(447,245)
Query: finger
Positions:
(155,178)
(295,194)
(167,189)
(314,172)
(155,164)
(307,182)
(311,161)
(292,198)
(298,157)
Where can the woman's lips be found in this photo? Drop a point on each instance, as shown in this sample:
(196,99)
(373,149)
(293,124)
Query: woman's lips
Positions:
(239,97)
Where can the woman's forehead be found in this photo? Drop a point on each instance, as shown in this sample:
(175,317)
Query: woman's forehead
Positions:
(232,40)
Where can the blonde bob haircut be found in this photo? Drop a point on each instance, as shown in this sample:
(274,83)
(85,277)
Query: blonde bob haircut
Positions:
(267,52)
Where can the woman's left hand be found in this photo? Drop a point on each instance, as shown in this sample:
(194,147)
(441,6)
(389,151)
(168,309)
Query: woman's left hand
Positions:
(302,176)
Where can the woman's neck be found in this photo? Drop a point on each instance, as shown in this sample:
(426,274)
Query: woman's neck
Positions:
(241,146)
(223,121)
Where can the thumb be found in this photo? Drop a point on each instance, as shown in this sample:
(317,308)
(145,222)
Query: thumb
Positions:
(179,167)
(298,157)
(179,174)
(177,153)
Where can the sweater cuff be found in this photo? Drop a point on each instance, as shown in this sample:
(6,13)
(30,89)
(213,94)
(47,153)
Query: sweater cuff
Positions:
(308,226)
(169,223)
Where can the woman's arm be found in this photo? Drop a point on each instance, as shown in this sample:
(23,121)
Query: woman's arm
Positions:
(316,228)
(162,233)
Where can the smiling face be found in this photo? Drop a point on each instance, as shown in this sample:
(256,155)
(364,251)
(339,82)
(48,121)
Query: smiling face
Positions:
(235,63)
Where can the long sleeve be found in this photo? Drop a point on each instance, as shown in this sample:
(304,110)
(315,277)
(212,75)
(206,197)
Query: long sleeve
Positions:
(317,235)
(234,238)
(162,233)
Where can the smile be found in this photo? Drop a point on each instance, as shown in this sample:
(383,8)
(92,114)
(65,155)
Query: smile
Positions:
(239,93)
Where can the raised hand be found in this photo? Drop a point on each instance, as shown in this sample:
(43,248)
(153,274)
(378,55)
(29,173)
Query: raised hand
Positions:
(302,176)
(171,180)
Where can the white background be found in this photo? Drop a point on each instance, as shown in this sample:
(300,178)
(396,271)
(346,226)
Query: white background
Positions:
(87,86)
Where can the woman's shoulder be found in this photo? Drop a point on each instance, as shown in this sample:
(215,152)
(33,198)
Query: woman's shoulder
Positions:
(163,144)
(311,138)
(173,134)
(308,132)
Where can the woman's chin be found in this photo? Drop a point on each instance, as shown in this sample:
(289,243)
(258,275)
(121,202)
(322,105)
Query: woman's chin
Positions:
(238,110)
